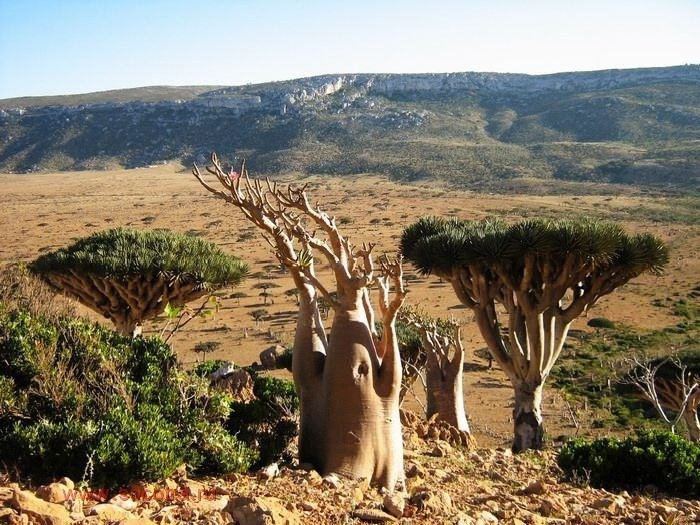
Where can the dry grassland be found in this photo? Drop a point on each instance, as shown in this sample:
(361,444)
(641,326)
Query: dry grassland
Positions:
(46,211)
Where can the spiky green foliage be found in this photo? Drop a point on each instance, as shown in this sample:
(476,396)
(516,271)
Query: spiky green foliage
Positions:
(123,252)
(440,246)
(543,273)
(130,276)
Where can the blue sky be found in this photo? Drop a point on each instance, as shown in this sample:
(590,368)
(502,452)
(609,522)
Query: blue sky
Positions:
(75,46)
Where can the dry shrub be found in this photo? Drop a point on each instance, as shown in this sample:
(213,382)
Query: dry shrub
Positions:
(21,290)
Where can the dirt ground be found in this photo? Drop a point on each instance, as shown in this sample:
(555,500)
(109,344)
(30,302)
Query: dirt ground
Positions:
(42,212)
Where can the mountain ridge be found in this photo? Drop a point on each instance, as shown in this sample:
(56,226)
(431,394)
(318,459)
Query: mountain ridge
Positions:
(638,127)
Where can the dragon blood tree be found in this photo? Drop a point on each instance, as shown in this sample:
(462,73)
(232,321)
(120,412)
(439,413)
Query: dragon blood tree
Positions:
(349,380)
(526,283)
(130,276)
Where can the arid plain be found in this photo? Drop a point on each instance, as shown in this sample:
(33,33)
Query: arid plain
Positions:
(41,212)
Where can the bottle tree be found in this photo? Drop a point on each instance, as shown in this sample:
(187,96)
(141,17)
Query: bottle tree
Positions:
(130,276)
(443,360)
(348,381)
(526,283)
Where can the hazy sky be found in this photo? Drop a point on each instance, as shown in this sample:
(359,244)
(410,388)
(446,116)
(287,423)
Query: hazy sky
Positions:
(76,46)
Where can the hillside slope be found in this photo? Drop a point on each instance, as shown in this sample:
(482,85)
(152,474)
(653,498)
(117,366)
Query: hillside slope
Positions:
(476,130)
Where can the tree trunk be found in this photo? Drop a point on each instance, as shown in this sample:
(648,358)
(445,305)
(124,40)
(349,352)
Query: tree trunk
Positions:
(692,423)
(444,391)
(125,325)
(527,417)
(308,358)
(363,430)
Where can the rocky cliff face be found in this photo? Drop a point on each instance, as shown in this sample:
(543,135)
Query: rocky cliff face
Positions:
(481,126)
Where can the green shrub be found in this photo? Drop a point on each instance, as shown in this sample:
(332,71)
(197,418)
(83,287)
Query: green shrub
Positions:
(601,322)
(207,367)
(659,458)
(77,399)
(269,421)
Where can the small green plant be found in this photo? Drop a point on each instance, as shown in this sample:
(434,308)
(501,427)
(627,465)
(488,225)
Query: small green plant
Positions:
(269,421)
(659,458)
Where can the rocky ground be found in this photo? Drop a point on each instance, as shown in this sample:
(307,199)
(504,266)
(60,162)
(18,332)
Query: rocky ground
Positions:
(445,484)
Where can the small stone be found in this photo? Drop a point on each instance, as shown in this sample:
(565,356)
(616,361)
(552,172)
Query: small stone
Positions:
(486,517)
(74,504)
(414,470)
(464,519)
(6,495)
(394,504)
(269,472)
(308,506)
(171,484)
(534,488)
(136,521)
(373,515)
(314,478)
(261,511)
(665,510)
(209,504)
(332,480)
(237,382)
(193,489)
(17,519)
(554,507)
(442,449)
(123,501)
(611,504)
(435,502)
(110,512)
(358,495)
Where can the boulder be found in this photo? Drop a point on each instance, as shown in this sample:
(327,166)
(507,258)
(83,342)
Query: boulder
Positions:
(269,356)
(437,502)
(39,510)
(261,511)
(54,492)
(238,383)
(67,482)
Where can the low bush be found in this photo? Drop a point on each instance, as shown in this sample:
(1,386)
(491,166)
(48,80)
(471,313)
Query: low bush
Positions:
(80,400)
(657,458)
(269,422)
(601,322)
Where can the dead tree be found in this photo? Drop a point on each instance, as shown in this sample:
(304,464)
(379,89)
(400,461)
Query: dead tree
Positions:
(349,380)
(671,388)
